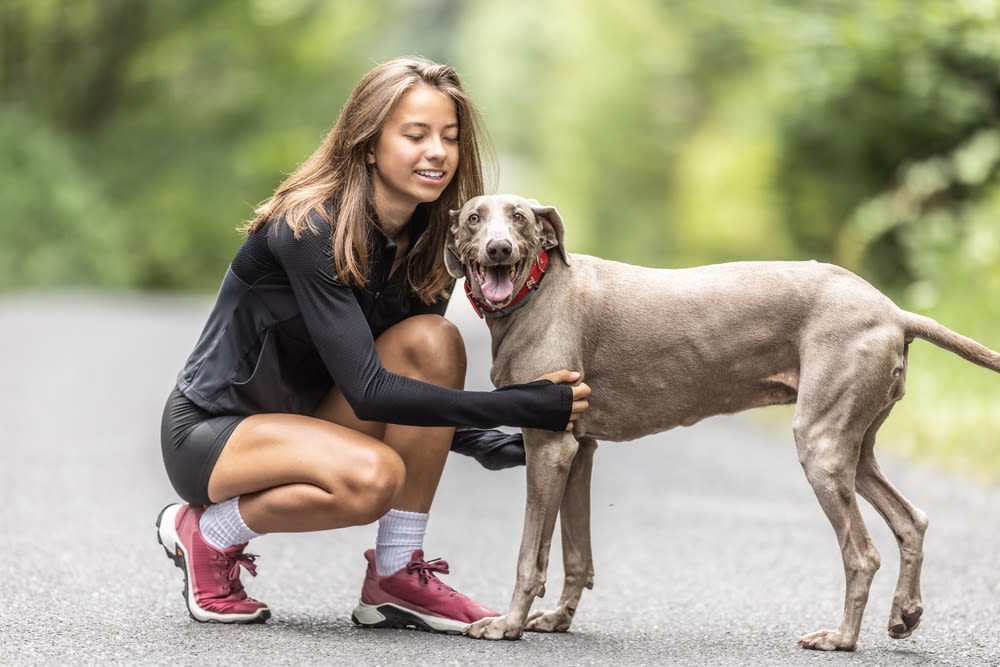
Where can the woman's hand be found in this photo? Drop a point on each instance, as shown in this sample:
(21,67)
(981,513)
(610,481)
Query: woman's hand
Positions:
(580,392)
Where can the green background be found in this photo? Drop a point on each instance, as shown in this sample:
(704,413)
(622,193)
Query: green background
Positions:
(135,137)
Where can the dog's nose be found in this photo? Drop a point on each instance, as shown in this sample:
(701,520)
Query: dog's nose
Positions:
(499,250)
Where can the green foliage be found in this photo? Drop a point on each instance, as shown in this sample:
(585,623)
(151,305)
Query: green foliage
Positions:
(56,228)
(170,120)
(918,144)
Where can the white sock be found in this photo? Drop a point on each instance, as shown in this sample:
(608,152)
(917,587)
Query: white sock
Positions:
(399,535)
(222,526)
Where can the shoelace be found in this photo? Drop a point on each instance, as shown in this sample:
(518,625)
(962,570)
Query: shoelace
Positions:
(426,569)
(235,562)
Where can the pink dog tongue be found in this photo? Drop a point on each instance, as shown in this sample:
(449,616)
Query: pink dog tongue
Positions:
(497,286)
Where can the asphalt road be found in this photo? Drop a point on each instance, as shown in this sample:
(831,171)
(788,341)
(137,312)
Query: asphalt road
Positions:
(710,548)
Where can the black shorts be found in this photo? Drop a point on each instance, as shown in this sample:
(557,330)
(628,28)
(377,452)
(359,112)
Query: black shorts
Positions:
(191,440)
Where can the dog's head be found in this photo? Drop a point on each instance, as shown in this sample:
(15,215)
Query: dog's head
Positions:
(493,241)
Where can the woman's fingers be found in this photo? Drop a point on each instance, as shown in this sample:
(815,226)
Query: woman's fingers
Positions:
(561,377)
(578,408)
(580,392)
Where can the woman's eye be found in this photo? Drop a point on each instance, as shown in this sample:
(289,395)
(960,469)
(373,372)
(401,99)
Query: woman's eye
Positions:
(451,140)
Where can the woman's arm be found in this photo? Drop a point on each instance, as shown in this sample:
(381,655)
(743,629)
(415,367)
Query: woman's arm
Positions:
(345,343)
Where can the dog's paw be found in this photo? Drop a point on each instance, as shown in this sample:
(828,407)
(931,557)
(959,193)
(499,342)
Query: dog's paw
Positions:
(826,640)
(557,620)
(496,627)
(903,623)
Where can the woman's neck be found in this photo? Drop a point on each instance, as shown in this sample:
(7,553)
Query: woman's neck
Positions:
(394,220)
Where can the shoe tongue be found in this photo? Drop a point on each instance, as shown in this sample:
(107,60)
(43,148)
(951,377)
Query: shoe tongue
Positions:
(497,286)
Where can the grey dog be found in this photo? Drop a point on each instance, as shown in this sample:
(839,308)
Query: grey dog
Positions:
(662,348)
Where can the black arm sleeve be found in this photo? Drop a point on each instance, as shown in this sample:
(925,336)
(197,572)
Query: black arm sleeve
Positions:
(345,343)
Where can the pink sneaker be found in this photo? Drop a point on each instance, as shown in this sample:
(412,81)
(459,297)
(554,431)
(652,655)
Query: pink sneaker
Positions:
(415,599)
(212,585)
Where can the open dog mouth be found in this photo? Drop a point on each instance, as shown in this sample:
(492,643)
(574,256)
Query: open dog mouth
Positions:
(496,282)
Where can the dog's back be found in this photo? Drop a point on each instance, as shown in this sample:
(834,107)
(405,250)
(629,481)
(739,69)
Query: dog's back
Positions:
(669,347)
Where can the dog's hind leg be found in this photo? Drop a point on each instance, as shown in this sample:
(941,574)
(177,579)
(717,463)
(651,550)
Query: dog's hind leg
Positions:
(838,403)
(549,457)
(843,399)
(908,524)
(578,560)
(829,458)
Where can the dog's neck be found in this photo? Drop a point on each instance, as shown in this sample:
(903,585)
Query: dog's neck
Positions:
(523,295)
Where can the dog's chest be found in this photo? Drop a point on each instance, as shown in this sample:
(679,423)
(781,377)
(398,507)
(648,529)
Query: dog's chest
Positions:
(529,344)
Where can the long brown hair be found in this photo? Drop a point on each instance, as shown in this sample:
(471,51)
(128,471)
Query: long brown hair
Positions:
(337,172)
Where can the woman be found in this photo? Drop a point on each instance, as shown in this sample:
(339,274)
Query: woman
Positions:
(326,386)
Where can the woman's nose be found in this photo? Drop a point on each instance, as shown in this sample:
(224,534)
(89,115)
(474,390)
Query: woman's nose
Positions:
(435,148)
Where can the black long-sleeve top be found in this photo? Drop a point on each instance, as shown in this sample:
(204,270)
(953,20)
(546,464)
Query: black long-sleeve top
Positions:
(284,330)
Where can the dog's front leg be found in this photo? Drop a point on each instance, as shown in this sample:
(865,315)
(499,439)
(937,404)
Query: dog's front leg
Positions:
(549,457)
(578,560)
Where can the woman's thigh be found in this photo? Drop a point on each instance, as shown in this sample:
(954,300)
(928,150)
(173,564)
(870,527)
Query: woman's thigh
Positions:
(335,450)
(191,441)
(273,450)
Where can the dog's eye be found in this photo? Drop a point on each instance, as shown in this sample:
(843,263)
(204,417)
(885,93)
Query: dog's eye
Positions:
(518,216)
(473,219)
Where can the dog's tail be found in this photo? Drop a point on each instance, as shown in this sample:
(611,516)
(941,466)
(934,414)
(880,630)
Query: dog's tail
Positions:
(918,326)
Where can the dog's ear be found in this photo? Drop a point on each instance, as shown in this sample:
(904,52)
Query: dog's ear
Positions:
(553,231)
(451,261)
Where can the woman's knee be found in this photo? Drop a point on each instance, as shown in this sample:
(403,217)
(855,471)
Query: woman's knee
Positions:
(376,481)
(427,347)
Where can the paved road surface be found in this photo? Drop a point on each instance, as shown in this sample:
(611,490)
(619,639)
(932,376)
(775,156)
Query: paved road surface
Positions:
(710,548)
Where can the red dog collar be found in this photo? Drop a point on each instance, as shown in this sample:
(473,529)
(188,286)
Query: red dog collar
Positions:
(523,295)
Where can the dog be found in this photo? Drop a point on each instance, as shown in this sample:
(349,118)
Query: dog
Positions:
(662,348)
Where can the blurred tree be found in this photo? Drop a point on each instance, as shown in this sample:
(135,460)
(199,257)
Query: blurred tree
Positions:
(56,229)
(176,117)
(665,132)
(915,104)
(48,62)
(587,101)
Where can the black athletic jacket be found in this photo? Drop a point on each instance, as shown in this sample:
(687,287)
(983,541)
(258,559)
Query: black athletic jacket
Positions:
(284,330)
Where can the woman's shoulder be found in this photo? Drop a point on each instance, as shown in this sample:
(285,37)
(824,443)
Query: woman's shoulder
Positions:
(292,243)
(313,224)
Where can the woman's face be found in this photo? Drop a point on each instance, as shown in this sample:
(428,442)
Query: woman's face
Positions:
(416,154)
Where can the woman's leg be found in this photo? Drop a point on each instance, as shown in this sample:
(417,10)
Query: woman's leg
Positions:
(292,473)
(295,473)
(400,589)
(427,348)
(275,473)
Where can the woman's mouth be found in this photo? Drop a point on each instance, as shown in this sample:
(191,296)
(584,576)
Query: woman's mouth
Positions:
(431,174)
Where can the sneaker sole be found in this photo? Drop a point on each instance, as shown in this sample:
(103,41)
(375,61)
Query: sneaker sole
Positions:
(166,535)
(390,616)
